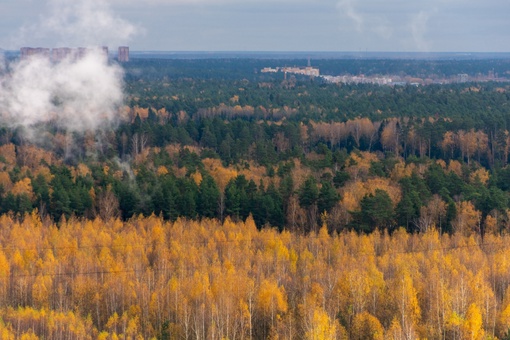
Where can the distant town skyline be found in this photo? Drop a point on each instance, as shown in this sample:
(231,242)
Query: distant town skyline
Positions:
(263,25)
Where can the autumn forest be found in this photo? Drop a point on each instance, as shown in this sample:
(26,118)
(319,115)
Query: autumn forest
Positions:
(229,204)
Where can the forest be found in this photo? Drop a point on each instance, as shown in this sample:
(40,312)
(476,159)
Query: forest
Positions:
(336,211)
(187,279)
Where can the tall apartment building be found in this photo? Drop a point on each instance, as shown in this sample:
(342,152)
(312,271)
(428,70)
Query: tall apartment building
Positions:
(27,52)
(105,50)
(61,53)
(123,55)
(66,53)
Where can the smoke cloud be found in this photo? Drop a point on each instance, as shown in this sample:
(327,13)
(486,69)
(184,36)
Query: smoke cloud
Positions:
(407,28)
(77,23)
(419,26)
(2,62)
(77,94)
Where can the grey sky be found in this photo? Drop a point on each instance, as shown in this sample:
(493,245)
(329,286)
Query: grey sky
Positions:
(260,25)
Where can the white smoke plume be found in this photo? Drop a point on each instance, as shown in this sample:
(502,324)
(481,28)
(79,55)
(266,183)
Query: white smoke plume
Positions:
(419,26)
(77,23)
(347,6)
(2,62)
(77,94)
(405,25)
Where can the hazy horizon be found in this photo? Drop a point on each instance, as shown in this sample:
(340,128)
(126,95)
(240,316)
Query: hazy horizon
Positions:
(360,26)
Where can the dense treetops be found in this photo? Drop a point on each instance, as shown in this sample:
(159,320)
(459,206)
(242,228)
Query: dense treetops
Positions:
(356,211)
(149,278)
(292,153)
(248,68)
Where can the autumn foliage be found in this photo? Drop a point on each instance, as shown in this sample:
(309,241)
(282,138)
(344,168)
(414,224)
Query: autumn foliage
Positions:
(150,278)
(262,209)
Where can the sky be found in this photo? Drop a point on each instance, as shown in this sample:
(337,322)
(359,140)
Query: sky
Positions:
(259,25)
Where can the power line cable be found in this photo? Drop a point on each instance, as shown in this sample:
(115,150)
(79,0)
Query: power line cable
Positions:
(195,267)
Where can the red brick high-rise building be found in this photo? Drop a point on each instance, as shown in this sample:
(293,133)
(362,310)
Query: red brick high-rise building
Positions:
(123,55)
(60,53)
(27,52)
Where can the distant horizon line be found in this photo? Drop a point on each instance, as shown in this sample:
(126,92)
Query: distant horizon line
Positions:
(273,51)
(319,55)
(197,54)
(315,51)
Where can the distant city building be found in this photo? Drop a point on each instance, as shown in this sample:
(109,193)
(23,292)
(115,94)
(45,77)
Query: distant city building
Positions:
(63,53)
(27,52)
(307,71)
(60,54)
(123,55)
(269,70)
(345,79)
(462,78)
(81,52)
(390,80)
